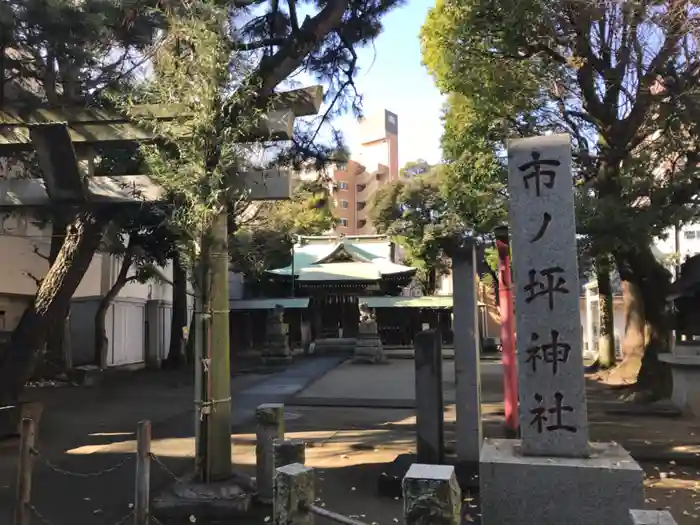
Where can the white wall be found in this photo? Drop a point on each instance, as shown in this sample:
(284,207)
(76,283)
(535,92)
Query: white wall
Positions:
(618,321)
(689,241)
(18,241)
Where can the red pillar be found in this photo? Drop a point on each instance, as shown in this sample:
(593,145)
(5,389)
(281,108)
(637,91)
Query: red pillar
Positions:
(505,301)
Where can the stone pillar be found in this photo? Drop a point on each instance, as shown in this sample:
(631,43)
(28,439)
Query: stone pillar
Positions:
(594,483)
(294,489)
(429,406)
(270,427)
(431,495)
(287,452)
(467,362)
(277,350)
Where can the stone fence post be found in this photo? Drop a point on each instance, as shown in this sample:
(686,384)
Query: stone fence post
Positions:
(431,495)
(270,427)
(286,452)
(294,494)
(429,404)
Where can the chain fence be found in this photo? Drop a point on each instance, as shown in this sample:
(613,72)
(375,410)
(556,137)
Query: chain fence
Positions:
(28,511)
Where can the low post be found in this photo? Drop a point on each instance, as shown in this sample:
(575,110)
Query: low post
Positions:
(24,473)
(293,495)
(431,495)
(143,473)
(270,426)
(429,404)
(287,452)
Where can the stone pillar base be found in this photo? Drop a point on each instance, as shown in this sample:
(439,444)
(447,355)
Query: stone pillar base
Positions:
(527,490)
(651,517)
(369,350)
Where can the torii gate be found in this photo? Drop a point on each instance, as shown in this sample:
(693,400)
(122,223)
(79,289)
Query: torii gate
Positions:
(62,137)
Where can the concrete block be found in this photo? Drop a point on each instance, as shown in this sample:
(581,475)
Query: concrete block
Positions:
(651,517)
(431,495)
(534,490)
(294,491)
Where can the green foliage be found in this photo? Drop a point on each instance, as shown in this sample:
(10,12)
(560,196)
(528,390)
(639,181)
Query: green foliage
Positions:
(266,242)
(416,214)
(523,68)
(65,51)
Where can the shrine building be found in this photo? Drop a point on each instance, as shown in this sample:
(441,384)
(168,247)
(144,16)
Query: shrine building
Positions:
(327,280)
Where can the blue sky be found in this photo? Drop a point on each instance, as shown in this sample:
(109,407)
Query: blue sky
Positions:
(392,77)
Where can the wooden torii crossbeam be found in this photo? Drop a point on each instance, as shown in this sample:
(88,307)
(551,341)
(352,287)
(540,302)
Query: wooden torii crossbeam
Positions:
(63,136)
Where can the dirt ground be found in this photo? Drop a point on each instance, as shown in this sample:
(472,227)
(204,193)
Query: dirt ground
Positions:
(350,447)
(89,430)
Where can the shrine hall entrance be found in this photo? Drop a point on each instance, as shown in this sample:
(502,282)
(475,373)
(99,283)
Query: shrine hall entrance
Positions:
(335,316)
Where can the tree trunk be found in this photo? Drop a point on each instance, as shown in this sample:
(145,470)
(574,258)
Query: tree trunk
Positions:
(606,338)
(645,287)
(101,341)
(179,317)
(53,361)
(51,302)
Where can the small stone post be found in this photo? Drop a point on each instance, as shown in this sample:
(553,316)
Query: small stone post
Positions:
(467,357)
(429,406)
(270,426)
(294,490)
(431,495)
(287,452)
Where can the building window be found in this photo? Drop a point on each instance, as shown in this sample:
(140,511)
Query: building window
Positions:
(341,166)
(361,223)
(361,205)
(343,223)
(690,234)
(344,205)
(342,185)
(361,188)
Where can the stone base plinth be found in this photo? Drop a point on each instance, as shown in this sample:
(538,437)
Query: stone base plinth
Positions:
(519,490)
(368,349)
(225,499)
(651,517)
(685,368)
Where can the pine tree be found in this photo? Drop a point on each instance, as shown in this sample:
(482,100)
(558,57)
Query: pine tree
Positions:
(63,45)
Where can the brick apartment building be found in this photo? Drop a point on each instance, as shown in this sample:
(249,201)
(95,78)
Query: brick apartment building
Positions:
(374,162)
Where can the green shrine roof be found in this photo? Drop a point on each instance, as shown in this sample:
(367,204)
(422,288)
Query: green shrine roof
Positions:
(356,258)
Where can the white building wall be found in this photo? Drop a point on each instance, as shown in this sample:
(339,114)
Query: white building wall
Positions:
(689,241)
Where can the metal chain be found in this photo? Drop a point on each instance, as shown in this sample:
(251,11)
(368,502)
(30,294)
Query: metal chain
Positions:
(165,469)
(39,514)
(95,474)
(46,521)
(178,479)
